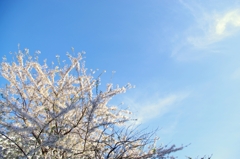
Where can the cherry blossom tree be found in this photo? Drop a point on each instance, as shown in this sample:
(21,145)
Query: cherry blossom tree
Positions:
(60,112)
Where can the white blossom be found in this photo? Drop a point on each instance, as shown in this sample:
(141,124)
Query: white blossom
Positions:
(54,113)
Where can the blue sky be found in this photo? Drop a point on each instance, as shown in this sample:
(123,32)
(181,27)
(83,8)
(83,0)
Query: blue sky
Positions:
(183,56)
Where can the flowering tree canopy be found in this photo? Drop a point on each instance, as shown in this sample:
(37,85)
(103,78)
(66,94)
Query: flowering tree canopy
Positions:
(59,113)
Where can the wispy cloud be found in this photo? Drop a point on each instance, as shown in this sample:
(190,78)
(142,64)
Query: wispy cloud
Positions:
(155,107)
(231,18)
(214,27)
(209,26)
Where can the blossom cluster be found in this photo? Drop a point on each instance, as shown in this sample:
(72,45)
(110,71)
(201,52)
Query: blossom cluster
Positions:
(59,113)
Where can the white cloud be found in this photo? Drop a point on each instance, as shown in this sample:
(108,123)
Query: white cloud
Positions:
(146,111)
(210,27)
(214,27)
(231,18)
